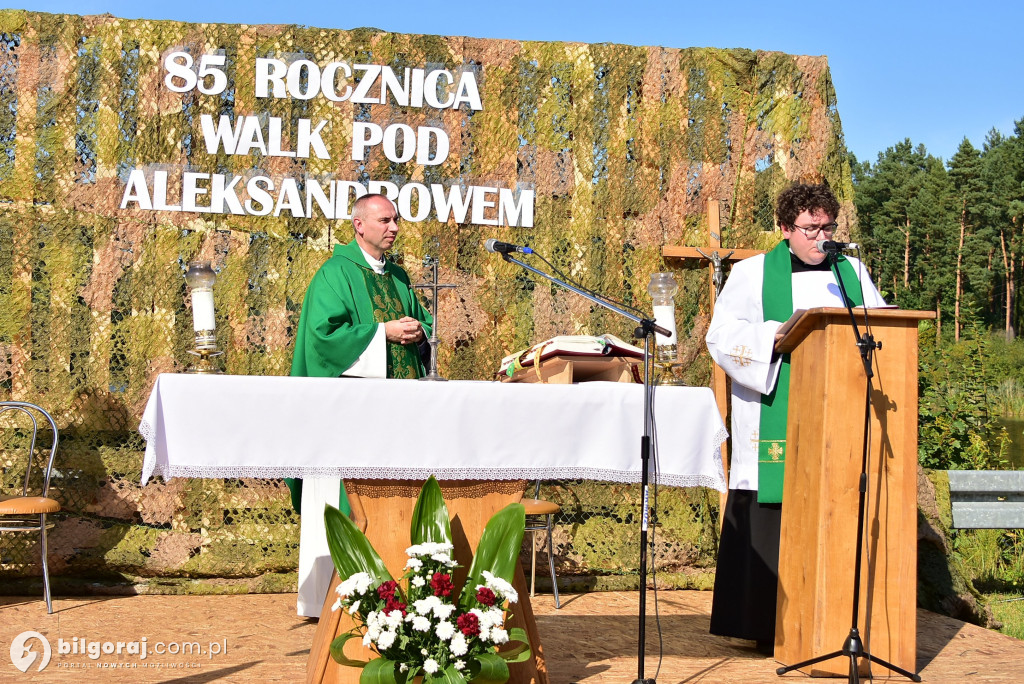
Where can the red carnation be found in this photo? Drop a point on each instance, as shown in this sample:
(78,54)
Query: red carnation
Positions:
(441,583)
(486,597)
(394,604)
(469,623)
(388,590)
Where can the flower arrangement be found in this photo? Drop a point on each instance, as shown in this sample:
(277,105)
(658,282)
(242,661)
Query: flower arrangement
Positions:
(429,629)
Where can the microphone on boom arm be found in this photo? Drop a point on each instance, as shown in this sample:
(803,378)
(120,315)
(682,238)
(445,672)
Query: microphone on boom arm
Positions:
(832,247)
(493,245)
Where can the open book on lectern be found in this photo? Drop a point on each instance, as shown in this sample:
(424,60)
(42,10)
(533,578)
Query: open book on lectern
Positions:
(857,310)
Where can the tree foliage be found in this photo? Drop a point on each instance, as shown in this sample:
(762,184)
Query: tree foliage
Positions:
(948,236)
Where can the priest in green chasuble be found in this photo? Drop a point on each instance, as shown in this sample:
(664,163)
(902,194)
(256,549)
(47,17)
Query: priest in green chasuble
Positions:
(360,318)
(762,292)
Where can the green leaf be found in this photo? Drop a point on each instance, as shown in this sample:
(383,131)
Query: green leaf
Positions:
(498,551)
(447,676)
(379,671)
(520,652)
(350,549)
(492,669)
(430,522)
(338,654)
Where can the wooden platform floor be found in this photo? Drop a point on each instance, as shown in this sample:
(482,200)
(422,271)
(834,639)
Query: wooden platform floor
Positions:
(591,639)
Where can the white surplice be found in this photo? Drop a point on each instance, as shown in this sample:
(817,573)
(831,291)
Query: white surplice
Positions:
(742,343)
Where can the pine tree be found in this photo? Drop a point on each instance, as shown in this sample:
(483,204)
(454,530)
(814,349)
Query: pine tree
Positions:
(974,249)
(905,219)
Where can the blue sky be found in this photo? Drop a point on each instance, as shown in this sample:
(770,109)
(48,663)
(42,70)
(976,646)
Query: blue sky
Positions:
(935,72)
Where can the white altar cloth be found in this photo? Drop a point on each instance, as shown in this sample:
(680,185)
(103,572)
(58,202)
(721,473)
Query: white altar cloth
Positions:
(360,428)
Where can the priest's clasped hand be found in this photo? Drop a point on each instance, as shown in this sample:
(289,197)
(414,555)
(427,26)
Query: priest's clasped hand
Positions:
(405,330)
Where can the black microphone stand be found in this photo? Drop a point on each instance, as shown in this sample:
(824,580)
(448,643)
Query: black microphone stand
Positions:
(853,647)
(645,331)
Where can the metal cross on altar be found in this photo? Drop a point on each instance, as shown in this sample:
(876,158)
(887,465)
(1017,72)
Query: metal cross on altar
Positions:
(432,263)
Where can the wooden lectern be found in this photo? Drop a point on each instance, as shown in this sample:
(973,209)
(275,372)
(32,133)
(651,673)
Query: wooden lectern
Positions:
(823,465)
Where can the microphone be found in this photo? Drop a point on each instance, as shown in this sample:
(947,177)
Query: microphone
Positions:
(831,247)
(493,245)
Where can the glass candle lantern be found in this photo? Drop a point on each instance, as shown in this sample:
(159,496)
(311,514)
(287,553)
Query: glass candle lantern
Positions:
(200,278)
(663,288)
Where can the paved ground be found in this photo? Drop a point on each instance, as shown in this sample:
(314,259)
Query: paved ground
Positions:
(258,638)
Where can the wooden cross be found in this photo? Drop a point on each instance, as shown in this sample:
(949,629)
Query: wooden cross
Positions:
(715,260)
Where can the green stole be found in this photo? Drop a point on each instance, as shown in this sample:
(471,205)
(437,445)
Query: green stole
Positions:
(777,305)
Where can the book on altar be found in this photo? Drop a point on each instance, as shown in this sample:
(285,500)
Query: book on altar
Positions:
(569,345)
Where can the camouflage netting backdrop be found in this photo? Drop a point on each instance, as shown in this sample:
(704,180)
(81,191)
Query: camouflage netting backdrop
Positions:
(622,147)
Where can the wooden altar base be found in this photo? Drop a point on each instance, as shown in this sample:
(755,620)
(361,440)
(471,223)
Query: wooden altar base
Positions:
(591,640)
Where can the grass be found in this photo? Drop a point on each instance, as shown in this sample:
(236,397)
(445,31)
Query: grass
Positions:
(1007,398)
(1008,609)
(995,560)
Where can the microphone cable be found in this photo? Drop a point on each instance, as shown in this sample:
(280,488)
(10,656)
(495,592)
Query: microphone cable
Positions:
(655,472)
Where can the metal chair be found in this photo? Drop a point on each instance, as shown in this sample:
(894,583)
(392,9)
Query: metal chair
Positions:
(27,513)
(539,516)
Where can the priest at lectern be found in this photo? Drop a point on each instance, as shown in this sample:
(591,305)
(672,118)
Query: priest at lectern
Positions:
(761,293)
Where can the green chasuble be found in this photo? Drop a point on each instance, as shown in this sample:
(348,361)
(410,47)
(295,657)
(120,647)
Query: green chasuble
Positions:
(777,305)
(344,304)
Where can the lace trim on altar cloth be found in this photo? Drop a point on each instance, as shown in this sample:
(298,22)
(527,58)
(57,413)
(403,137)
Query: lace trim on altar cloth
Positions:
(509,473)
(146,430)
(370,473)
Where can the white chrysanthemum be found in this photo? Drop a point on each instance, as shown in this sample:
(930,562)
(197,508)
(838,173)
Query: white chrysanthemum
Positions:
(385,640)
(414,564)
(488,618)
(420,623)
(428,549)
(373,624)
(356,585)
(444,611)
(500,587)
(393,619)
(418,581)
(354,607)
(459,664)
(441,558)
(495,617)
(427,605)
(499,636)
(403,667)
(444,630)
(367,639)
(430,666)
(458,644)
(336,605)
(424,651)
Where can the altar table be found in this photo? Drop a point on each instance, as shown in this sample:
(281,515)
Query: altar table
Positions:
(481,439)
(271,426)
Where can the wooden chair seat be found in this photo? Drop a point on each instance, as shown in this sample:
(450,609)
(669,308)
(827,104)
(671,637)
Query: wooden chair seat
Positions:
(27,505)
(540,507)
